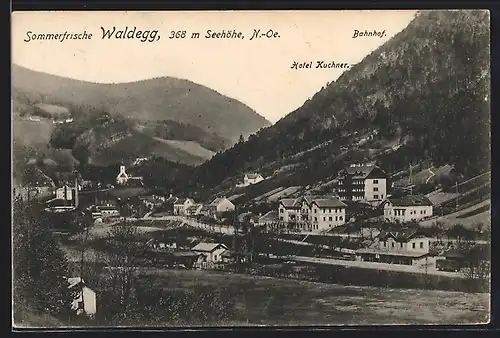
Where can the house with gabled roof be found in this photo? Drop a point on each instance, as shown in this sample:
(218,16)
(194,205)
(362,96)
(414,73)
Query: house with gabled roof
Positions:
(211,251)
(289,209)
(362,182)
(407,208)
(251,178)
(406,246)
(85,302)
(313,213)
(181,205)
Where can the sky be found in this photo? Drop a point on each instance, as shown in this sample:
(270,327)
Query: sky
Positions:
(256,72)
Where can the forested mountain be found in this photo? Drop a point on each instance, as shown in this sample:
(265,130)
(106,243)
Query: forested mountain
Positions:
(157,99)
(427,91)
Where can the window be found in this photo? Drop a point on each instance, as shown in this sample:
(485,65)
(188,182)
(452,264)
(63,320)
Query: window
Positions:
(336,218)
(281,211)
(281,217)
(315,219)
(324,218)
(382,196)
(384,244)
(375,189)
(340,217)
(421,245)
(375,196)
(413,245)
(329,210)
(315,211)
(401,245)
(215,257)
(330,218)
(375,181)
(392,244)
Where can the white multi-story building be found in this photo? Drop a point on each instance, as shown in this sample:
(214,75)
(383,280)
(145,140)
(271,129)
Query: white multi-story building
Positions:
(312,213)
(407,208)
(362,182)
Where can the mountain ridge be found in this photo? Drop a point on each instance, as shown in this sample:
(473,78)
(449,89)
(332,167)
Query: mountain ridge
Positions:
(423,95)
(158,98)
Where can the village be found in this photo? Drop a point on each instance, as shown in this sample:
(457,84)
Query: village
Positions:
(358,225)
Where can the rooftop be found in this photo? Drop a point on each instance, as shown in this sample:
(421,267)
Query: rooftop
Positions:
(401,235)
(252,175)
(407,201)
(400,253)
(207,247)
(360,171)
(329,203)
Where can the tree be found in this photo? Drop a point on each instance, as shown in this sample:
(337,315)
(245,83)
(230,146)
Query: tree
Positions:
(121,259)
(40,266)
(478,267)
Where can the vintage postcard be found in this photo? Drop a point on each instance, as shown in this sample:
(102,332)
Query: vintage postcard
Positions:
(251,168)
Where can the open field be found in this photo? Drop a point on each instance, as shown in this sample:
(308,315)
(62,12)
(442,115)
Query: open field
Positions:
(283,194)
(466,217)
(441,197)
(30,133)
(425,176)
(52,109)
(273,301)
(189,147)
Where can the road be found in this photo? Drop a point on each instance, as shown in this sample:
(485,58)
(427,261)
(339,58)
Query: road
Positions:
(431,270)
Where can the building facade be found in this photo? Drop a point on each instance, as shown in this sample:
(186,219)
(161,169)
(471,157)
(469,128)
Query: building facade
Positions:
(252,178)
(212,252)
(407,209)
(403,246)
(362,182)
(181,205)
(312,213)
(222,205)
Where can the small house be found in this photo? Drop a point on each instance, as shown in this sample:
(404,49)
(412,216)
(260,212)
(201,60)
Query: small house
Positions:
(252,178)
(211,251)
(152,201)
(181,205)
(85,301)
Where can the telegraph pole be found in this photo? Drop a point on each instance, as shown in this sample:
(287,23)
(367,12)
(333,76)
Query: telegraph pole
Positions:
(82,265)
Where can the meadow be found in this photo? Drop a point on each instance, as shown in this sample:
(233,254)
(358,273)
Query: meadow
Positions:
(272,301)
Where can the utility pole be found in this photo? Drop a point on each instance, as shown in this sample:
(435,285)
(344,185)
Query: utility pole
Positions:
(456,199)
(82,266)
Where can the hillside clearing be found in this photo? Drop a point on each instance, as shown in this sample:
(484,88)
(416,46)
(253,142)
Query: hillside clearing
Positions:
(189,147)
(32,134)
